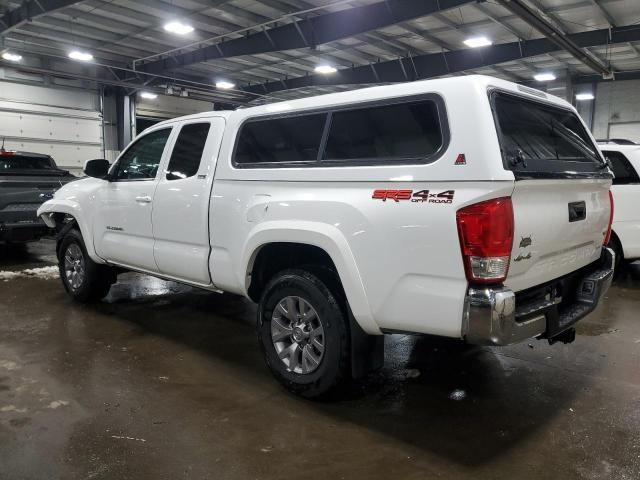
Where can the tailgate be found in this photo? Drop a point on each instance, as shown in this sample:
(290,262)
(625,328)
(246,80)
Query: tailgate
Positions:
(560,197)
(559,228)
(20,197)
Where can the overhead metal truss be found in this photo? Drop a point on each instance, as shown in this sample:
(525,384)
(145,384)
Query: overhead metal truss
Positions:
(455,61)
(308,33)
(269,46)
(29,10)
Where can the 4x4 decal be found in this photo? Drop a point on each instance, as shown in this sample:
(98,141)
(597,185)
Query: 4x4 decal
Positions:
(419,196)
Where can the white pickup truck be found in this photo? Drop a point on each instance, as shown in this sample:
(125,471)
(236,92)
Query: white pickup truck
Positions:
(624,160)
(470,208)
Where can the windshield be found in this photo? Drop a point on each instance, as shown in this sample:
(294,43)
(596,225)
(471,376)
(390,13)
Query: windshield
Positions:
(543,139)
(10,162)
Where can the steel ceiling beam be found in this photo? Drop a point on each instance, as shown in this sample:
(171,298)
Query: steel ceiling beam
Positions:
(211,94)
(537,19)
(310,32)
(29,10)
(439,64)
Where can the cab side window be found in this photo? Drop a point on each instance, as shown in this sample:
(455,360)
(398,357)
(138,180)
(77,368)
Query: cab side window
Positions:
(187,152)
(141,160)
(623,171)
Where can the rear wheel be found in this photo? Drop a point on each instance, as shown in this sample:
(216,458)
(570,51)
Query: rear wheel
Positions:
(620,263)
(302,328)
(83,279)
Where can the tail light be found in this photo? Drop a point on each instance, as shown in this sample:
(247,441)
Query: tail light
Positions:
(485,230)
(607,236)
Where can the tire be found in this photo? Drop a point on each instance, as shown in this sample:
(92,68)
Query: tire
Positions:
(620,264)
(84,280)
(305,370)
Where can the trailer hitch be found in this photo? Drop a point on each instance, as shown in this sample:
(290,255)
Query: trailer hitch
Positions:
(568,336)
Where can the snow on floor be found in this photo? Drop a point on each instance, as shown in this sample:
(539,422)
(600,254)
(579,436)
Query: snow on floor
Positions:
(44,273)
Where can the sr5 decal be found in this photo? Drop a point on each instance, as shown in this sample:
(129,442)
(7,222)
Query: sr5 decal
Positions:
(419,196)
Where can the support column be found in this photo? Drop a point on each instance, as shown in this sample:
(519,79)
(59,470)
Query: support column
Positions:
(126,118)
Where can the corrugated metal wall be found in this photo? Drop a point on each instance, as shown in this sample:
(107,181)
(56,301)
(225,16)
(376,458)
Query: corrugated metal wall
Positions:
(617,110)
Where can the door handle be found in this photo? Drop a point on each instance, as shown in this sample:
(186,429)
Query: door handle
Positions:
(143,199)
(577,211)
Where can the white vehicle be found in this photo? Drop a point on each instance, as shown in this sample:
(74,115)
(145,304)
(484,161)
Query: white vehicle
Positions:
(624,160)
(469,207)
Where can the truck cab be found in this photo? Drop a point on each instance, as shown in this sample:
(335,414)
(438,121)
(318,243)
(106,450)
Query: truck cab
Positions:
(470,208)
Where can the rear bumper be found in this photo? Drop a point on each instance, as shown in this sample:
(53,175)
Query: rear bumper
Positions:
(498,316)
(23,232)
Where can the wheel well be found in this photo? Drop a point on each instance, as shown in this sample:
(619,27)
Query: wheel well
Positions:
(275,257)
(64,223)
(616,238)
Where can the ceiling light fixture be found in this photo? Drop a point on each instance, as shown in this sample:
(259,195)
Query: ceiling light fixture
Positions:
(582,97)
(476,42)
(224,85)
(325,69)
(178,28)
(544,77)
(80,56)
(149,95)
(12,57)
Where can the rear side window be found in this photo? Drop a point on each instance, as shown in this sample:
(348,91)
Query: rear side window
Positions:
(623,171)
(11,161)
(187,152)
(539,139)
(280,140)
(390,132)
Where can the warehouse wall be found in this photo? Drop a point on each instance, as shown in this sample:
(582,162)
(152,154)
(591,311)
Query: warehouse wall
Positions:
(58,119)
(617,110)
(166,106)
(72,120)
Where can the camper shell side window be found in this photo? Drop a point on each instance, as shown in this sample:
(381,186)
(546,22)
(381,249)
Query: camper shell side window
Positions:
(409,130)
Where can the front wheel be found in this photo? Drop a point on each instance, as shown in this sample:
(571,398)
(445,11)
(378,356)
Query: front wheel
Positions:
(83,279)
(302,328)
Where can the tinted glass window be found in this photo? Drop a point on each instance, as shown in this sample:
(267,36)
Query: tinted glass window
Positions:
(391,132)
(12,161)
(280,140)
(543,138)
(187,152)
(623,171)
(141,160)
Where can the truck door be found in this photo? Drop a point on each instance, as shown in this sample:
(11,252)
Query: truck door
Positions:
(122,223)
(181,206)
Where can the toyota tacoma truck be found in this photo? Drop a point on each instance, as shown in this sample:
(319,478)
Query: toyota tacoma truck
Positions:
(470,208)
(27,180)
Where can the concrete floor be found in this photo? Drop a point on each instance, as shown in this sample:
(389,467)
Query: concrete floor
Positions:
(164,382)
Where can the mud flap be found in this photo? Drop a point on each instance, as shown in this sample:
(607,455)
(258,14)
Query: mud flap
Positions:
(367,351)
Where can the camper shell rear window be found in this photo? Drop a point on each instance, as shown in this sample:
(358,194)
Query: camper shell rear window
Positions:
(542,140)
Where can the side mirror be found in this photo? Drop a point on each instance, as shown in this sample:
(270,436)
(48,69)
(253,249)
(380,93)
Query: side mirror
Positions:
(97,168)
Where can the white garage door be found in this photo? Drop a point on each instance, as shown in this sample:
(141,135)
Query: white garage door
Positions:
(628,131)
(65,124)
